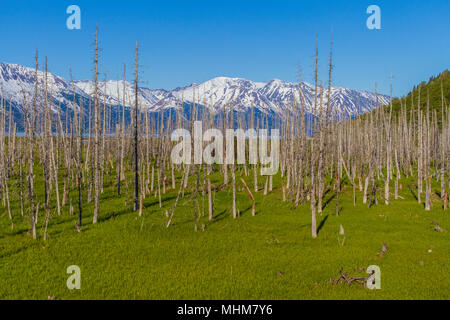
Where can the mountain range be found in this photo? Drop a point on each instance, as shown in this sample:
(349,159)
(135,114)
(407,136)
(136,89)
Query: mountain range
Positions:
(274,97)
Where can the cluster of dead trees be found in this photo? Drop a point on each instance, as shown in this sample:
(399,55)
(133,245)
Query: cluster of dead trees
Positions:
(320,154)
(370,154)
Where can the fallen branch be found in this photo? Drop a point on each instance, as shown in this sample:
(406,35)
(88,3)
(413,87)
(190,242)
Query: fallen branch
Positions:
(383,250)
(250,194)
(437,227)
(349,279)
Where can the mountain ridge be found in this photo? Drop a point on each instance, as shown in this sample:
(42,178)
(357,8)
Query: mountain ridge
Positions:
(271,97)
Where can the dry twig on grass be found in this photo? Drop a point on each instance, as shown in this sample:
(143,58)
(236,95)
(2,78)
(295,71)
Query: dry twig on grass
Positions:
(437,227)
(383,250)
(349,279)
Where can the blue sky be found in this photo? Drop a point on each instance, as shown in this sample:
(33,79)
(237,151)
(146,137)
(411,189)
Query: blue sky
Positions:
(183,42)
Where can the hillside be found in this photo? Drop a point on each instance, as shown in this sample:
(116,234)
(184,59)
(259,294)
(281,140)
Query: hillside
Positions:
(430,89)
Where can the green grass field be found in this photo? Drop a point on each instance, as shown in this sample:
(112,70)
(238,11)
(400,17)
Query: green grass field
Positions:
(269,256)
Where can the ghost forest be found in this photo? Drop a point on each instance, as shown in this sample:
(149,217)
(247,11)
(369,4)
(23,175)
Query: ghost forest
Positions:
(75,158)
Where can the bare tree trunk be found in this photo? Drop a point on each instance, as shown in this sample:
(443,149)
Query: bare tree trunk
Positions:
(31,133)
(96,169)
(136,162)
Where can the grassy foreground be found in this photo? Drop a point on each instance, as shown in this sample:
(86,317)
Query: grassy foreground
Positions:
(269,256)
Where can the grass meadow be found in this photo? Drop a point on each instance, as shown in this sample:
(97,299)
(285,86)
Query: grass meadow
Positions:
(268,256)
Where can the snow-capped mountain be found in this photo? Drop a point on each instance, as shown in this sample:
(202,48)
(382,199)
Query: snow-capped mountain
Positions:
(275,96)
(218,94)
(112,92)
(17,87)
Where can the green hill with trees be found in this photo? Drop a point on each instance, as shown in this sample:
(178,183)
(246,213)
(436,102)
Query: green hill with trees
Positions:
(435,91)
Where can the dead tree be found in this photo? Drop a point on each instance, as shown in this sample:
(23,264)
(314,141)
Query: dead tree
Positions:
(96,169)
(136,115)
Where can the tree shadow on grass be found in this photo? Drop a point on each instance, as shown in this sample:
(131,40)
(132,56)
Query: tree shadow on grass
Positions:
(326,192)
(322,223)
(326,203)
(217,218)
(112,214)
(156,202)
(19,232)
(244,211)
(412,192)
(305,225)
(10,253)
